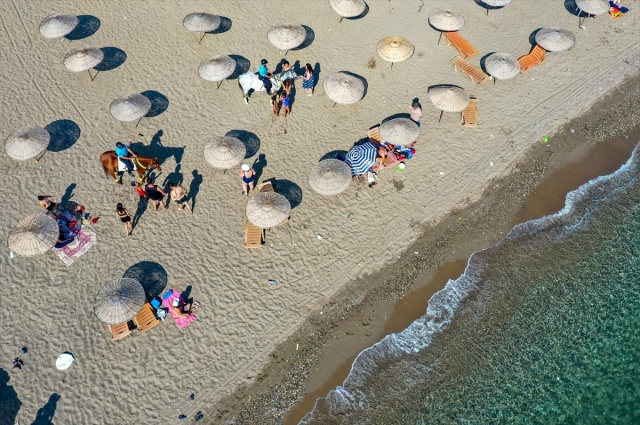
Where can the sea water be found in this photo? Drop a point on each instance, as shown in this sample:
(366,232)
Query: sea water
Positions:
(542,328)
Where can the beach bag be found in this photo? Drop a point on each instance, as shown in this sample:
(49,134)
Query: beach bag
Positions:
(161,313)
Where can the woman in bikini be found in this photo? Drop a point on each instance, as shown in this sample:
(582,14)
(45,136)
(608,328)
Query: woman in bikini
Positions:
(248,175)
(46,202)
(125,217)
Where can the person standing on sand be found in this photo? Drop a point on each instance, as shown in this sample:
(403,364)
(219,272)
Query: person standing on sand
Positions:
(309,81)
(180,195)
(248,175)
(416,112)
(155,194)
(286,103)
(125,218)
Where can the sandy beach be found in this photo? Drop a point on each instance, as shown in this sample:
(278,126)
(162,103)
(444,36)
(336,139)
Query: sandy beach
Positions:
(243,318)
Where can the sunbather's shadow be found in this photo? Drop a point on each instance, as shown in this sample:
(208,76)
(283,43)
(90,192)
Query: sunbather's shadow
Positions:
(186,294)
(194,188)
(11,404)
(310,36)
(45,414)
(87,26)
(259,165)
(68,194)
(316,74)
(113,58)
(289,190)
(339,154)
(159,103)
(157,149)
(174,177)
(250,140)
(151,275)
(64,134)
(242,66)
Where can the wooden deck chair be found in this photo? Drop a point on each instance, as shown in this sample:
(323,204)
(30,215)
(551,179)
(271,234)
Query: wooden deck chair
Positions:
(475,74)
(253,236)
(464,47)
(119,331)
(470,113)
(265,187)
(146,319)
(374,135)
(536,57)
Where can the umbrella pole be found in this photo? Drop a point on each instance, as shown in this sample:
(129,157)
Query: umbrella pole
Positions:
(138,122)
(487,12)
(220,83)
(334,104)
(285,53)
(40,157)
(440,38)
(440,119)
(341,18)
(203,34)
(392,66)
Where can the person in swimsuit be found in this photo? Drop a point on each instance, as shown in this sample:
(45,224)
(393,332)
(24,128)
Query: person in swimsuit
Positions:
(125,217)
(155,194)
(46,202)
(180,195)
(309,80)
(248,175)
(286,103)
(184,309)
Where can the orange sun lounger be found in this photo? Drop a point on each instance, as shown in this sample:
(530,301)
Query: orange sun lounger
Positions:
(536,57)
(464,47)
(470,113)
(475,74)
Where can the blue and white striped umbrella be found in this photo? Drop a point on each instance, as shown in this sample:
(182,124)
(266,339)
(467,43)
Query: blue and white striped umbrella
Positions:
(361,157)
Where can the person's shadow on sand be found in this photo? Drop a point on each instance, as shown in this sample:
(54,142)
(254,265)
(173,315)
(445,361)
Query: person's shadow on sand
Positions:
(157,149)
(174,177)
(10,404)
(45,414)
(194,188)
(259,165)
(143,203)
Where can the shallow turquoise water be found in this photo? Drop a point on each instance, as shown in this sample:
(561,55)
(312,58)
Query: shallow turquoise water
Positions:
(543,328)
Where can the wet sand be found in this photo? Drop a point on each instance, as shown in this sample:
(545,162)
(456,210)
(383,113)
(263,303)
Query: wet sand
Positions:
(596,143)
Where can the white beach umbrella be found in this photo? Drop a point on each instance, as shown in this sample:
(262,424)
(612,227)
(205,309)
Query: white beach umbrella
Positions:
(591,8)
(495,3)
(287,36)
(34,235)
(58,25)
(399,131)
(348,8)
(448,98)
(224,152)
(343,88)
(130,107)
(330,177)
(27,143)
(555,39)
(201,22)
(217,68)
(119,301)
(502,66)
(83,59)
(395,49)
(268,209)
(445,20)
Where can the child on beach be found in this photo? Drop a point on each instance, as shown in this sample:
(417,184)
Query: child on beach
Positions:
(125,218)
(275,103)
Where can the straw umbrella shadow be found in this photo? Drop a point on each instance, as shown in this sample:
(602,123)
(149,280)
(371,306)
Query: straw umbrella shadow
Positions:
(64,134)
(398,115)
(289,190)
(225,25)
(486,6)
(113,58)
(259,165)
(151,275)
(308,39)
(159,103)
(45,414)
(11,404)
(360,16)
(532,38)
(339,154)
(242,66)
(87,26)
(194,188)
(250,140)
(572,7)
(484,59)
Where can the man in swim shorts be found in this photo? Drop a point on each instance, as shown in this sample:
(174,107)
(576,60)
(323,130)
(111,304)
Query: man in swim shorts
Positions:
(180,195)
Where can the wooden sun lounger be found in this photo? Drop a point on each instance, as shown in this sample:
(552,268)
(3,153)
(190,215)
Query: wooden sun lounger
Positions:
(536,57)
(475,74)
(253,236)
(374,136)
(119,331)
(146,319)
(464,47)
(265,187)
(470,114)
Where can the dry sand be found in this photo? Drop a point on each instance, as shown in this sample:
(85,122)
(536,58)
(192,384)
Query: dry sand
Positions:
(148,378)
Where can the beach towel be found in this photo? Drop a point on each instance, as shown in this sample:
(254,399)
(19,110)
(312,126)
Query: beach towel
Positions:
(76,248)
(167,302)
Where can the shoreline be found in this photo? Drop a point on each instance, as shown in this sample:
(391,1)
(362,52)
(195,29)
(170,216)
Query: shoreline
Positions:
(319,356)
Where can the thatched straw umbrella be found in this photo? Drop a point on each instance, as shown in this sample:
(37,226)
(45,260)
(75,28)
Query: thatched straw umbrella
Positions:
(268,209)
(27,142)
(287,36)
(502,66)
(445,20)
(448,98)
(399,131)
(83,59)
(343,88)
(495,3)
(330,177)
(395,49)
(201,22)
(348,8)
(130,107)
(217,68)
(58,25)
(34,235)
(591,8)
(555,39)
(119,301)
(224,152)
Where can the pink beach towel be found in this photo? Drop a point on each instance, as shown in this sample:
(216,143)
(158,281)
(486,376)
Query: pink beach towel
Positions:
(81,244)
(167,302)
